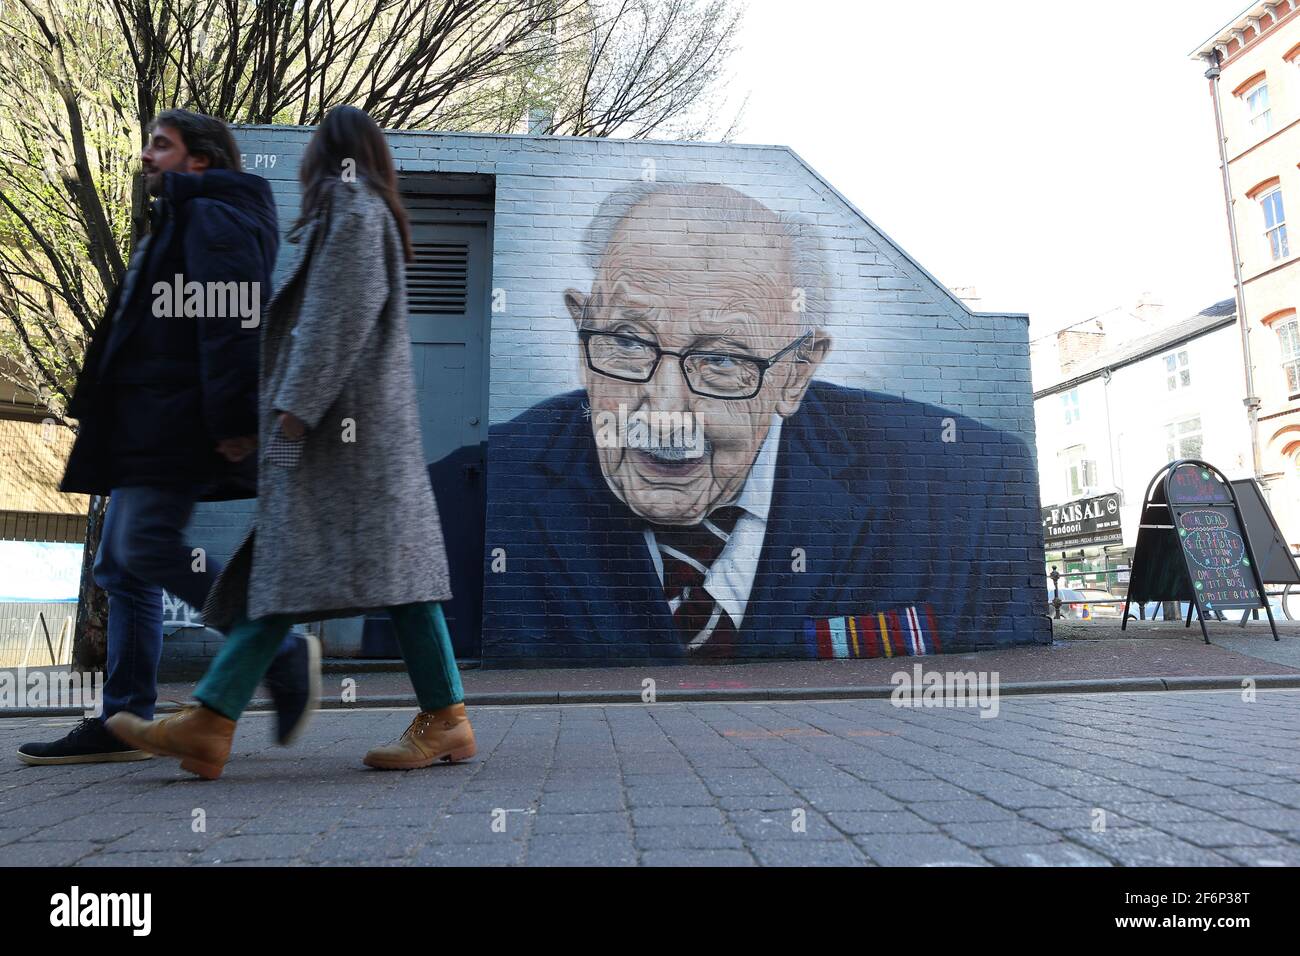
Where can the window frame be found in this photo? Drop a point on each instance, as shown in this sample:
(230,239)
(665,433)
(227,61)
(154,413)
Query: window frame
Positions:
(1290,362)
(1070,405)
(1279,245)
(1174,437)
(1254,116)
(1078,469)
(1181,366)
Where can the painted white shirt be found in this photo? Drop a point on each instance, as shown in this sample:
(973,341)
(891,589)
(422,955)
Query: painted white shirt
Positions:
(731,577)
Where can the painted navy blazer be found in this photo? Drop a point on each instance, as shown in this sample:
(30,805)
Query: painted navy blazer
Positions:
(895,527)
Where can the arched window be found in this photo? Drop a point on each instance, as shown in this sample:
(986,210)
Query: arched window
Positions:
(1269,195)
(1287,327)
(1254,94)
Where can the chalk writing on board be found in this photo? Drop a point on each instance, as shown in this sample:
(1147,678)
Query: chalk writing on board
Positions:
(1189,484)
(1217,558)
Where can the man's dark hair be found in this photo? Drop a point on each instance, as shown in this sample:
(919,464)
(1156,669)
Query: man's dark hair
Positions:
(203,136)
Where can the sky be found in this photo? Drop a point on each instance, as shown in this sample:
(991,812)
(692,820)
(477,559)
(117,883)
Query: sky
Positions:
(1060,158)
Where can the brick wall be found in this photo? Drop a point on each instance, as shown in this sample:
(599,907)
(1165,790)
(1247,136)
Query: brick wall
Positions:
(909,483)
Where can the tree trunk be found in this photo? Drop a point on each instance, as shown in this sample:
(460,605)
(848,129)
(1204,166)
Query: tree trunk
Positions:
(90,642)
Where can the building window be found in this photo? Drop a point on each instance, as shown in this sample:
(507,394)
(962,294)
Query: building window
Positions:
(1070,405)
(1177,373)
(1183,439)
(1288,334)
(1080,472)
(1275,223)
(1261,118)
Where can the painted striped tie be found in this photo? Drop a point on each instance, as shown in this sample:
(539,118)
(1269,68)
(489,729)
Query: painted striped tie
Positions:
(688,552)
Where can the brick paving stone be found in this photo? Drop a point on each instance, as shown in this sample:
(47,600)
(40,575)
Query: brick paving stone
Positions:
(696,858)
(688,838)
(854,822)
(47,853)
(1138,846)
(1228,803)
(669,797)
(1052,854)
(922,849)
(583,801)
(914,791)
(478,827)
(14,834)
(1213,834)
(357,844)
(580,823)
(1278,820)
(503,853)
(772,802)
(1015,833)
(759,825)
(1185,778)
(1287,794)
(810,853)
(597,849)
(1074,818)
(272,847)
(1264,855)
(859,797)
(143,858)
(963,811)
(676,816)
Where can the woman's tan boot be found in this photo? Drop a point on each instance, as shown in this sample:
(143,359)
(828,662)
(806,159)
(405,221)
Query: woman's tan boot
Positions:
(199,737)
(443,734)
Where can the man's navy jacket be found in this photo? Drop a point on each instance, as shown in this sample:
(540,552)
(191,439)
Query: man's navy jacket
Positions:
(882,539)
(157,392)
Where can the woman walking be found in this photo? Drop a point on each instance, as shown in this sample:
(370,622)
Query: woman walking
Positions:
(346,519)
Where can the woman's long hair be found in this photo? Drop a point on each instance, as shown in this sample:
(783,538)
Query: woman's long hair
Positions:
(349,136)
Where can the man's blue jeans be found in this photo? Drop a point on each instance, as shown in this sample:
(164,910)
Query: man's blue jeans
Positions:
(142,551)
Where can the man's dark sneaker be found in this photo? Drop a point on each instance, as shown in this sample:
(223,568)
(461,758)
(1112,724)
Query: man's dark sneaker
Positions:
(294,682)
(88,742)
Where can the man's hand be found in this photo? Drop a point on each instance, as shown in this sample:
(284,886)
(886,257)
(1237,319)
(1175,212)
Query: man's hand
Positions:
(291,426)
(237,449)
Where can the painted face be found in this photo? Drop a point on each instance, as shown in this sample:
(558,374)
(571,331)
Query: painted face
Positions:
(166,153)
(683,285)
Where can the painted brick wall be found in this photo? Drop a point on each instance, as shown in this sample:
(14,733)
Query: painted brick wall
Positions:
(934,514)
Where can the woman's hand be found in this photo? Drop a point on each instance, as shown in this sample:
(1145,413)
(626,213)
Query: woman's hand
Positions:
(291,426)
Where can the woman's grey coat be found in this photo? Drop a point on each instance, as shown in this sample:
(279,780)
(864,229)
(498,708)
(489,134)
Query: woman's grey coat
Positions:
(353,525)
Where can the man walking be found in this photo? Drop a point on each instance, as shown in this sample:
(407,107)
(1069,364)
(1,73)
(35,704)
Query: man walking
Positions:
(167,409)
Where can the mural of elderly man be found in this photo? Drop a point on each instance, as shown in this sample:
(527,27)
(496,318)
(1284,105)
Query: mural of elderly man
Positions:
(704,495)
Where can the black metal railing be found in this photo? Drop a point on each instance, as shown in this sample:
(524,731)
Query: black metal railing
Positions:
(1287,595)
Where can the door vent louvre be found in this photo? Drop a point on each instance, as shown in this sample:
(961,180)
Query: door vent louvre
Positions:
(437,282)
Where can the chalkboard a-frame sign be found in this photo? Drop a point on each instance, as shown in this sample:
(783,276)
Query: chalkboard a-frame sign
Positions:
(1191,546)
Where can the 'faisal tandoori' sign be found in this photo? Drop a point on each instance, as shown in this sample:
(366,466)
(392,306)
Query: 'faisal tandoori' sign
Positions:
(1077,524)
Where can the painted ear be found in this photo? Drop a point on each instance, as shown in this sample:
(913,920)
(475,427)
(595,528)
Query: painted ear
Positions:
(797,373)
(576,303)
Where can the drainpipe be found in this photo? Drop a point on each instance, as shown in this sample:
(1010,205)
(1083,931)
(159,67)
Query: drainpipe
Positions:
(1252,400)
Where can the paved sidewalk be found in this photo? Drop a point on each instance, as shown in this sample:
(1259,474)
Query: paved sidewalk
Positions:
(1167,657)
(1195,778)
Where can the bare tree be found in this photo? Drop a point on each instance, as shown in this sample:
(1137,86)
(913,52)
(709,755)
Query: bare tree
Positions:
(651,69)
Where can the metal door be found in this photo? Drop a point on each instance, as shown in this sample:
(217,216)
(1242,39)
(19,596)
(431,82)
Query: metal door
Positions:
(448,289)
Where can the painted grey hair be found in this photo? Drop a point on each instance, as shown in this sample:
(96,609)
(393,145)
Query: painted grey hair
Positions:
(808,266)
